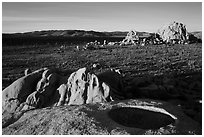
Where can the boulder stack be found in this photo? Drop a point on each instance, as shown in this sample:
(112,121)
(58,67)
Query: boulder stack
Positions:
(83,87)
(174,32)
(131,38)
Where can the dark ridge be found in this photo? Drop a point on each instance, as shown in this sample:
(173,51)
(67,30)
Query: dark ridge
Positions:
(58,37)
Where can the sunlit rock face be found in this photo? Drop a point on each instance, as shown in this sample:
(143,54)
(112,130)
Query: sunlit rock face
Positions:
(19,90)
(84,87)
(174,31)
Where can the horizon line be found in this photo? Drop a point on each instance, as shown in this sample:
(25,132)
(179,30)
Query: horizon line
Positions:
(81,30)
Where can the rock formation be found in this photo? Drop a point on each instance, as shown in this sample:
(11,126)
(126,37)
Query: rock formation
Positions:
(131,38)
(62,90)
(174,32)
(82,88)
(19,90)
(46,88)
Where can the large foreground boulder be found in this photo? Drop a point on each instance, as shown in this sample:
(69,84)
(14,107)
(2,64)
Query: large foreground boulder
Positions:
(19,90)
(46,88)
(83,87)
(136,117)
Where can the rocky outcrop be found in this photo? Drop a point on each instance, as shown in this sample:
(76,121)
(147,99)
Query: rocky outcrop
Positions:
(46,88)
(131,38)
(19,90)
(174,32)
(136,117)
(83,87)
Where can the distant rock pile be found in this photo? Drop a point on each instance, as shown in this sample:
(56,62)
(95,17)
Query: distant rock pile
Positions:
(174,33)
(131,38)
(142,38)
(93,45)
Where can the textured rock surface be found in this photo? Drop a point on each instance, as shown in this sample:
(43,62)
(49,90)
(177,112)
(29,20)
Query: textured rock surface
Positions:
(19,90)
(45,88)
(131,38)
(84,87)
(124,117)
(174,31)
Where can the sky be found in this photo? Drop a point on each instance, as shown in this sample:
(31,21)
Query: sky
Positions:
(99,16)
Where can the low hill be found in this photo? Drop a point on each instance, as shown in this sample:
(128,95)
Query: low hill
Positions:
(64,33)
(71,33)
(81,33)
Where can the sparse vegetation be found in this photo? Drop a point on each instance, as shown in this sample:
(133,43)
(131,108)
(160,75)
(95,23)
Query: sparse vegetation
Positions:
(151,60)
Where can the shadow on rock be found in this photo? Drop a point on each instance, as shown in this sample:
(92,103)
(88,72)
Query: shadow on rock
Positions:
(139,118)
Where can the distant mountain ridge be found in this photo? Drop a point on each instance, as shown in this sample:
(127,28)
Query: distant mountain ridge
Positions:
(69,33)
(73,33)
